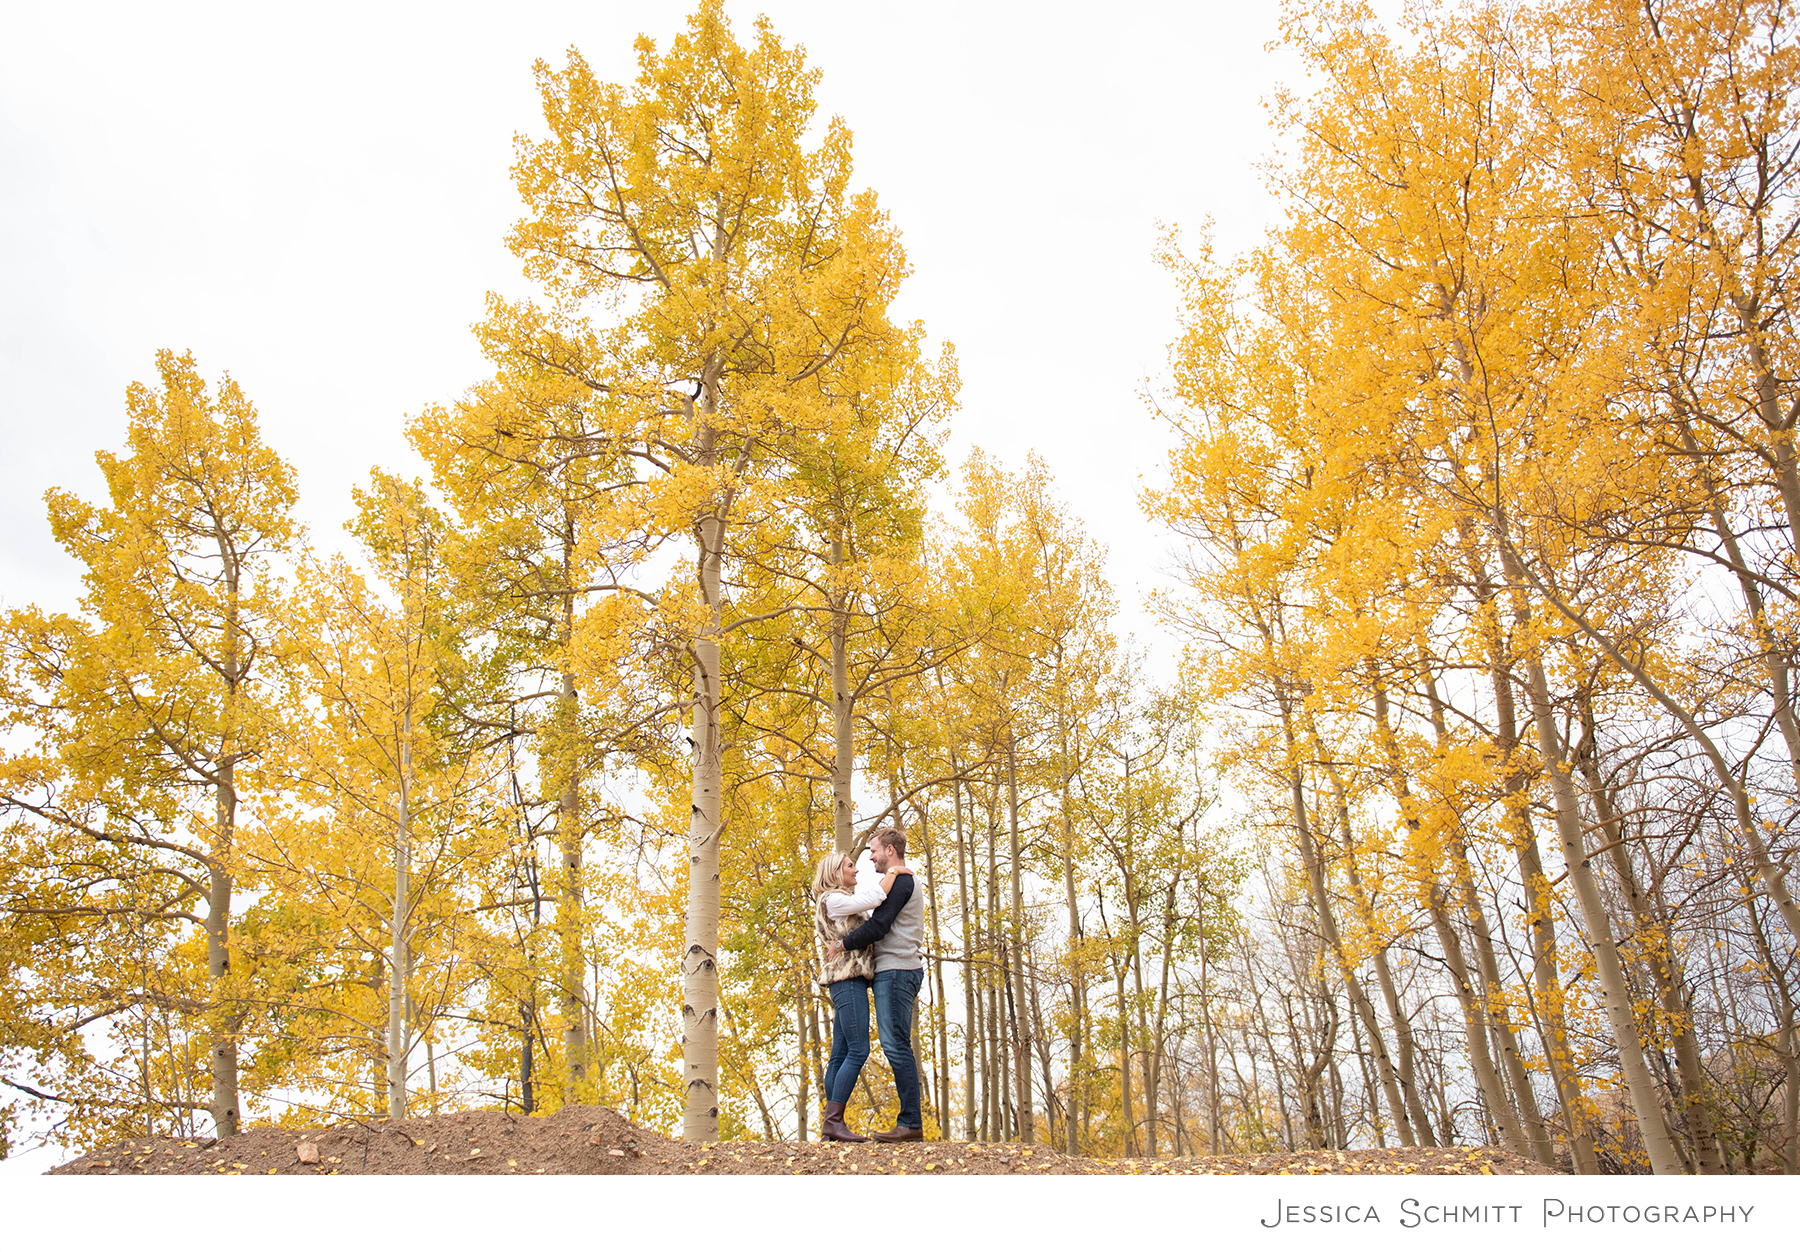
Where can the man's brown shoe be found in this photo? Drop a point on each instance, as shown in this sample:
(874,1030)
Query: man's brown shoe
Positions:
(899,1134)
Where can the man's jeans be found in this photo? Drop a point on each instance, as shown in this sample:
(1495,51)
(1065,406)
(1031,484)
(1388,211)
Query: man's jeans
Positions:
(895,991)
(849,1037)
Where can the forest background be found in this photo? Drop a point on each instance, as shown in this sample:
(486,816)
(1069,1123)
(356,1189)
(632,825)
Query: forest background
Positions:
(1080,362)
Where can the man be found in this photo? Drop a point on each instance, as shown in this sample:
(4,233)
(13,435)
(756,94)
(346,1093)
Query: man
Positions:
(896,930)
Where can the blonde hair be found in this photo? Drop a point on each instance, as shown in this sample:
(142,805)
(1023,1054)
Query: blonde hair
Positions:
(829,876)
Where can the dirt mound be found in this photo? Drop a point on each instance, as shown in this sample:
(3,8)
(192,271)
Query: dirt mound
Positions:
(588,1139)
(580,1139)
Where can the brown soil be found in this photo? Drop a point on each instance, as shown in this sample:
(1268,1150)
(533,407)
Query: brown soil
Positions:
(587,1139)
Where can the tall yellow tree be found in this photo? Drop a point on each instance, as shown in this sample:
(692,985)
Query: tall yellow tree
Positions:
(393,808)
(146,715)
(701,268)
(538,560)
(1450,393)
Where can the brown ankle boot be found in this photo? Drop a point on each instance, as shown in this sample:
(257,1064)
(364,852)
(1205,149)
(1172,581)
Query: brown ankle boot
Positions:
(833,1127)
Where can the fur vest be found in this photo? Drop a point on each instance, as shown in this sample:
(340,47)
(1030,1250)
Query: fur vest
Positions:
(858,964)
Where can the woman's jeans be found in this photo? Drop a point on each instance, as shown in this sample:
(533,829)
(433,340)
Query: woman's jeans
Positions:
(849,1037)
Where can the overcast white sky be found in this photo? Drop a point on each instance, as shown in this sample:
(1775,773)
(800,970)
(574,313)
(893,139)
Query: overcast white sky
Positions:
(314,198)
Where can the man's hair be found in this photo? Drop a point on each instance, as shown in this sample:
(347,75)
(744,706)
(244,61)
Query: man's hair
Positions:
(890,837)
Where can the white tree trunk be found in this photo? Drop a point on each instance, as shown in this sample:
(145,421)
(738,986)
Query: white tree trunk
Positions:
(1475,1026)
(843,761)
(569,834)
(699,965)
(1614,995)
(222,1016)
(399,958)
(1027,1113)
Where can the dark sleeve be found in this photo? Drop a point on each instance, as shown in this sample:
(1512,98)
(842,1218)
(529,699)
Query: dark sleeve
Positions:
(882,919)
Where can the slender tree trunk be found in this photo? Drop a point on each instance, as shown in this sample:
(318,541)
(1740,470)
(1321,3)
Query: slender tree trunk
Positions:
(699,963)
(1790,1104)
(1446,1123)
(1784,1013)
(1212,1054)
(1010,1028)
(1154,1080)
(1077,986)
(569,838)
(1310,1109)
(992,1067)
(995,976)
(224,1017)
(1315,876)
(1311,1072)
(1384,978)
(1252,1115)
(1658,959)
(993,1118)
(940,1005)
(843,758)
(971,1026)
(1077,983)
(527,1075)
(400,959)
(1475,1026)
(816,1038)
(1337,1105)
(1127,1111)
(1042,1042)
(1316,1070)
(1492,997)
(1135,960)
(749,1071)
(803,1100)
(1540,919)
(1262,1017)
(1184,1143)
(1780,687)
(1022,1041)
(1610,975)
(1142,1045)
(1376,1124)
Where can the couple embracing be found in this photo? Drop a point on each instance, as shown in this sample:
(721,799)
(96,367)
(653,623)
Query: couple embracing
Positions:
(874,942)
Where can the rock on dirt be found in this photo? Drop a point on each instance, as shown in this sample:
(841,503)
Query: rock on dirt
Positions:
(589,1139)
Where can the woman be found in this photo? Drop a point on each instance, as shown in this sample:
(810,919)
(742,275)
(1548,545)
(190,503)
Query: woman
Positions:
(840,910)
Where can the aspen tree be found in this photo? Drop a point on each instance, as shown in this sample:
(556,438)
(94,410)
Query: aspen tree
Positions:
(156,693)
(847,566)
(998,576)
(1668,124)
(397,529)
(1497,1021)
(1071,606)
(1540,918)
(1660,961)
(1491,292)
(388,806)
(702,268)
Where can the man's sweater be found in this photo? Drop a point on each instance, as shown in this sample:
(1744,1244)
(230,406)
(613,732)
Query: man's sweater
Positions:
(896,928)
